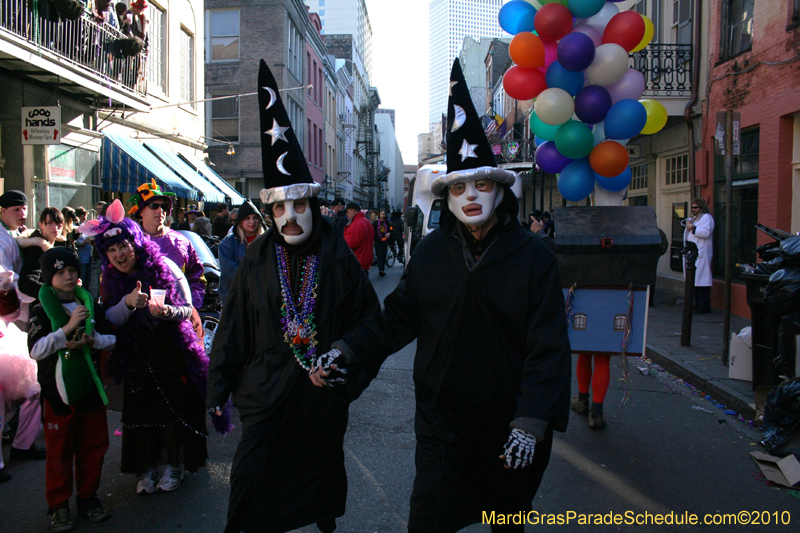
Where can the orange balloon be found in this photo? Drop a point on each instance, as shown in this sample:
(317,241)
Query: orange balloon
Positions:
(527,50)
(609,159)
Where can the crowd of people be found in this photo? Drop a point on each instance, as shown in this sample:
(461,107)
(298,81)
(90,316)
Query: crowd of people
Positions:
(301,336)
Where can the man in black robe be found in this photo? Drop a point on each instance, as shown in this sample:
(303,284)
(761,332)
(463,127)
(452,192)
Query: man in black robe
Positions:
(298,288)
(482,297)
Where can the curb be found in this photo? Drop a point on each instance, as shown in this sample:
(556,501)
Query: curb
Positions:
(718,390)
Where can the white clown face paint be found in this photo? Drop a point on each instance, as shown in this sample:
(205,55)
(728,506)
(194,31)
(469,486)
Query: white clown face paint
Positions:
(473,205)
(293,220)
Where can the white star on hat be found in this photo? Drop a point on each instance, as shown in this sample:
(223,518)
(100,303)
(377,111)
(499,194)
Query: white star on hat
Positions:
(277,132)
(467,150)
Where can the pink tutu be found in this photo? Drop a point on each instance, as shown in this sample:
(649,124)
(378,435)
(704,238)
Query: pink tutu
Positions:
(17,369)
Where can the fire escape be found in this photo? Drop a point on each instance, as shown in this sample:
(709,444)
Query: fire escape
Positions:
(367,145)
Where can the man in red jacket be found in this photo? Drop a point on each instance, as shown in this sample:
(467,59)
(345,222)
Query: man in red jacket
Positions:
(359,235)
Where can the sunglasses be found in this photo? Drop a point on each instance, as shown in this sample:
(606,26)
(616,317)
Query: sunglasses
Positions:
(156,205)
(695,207)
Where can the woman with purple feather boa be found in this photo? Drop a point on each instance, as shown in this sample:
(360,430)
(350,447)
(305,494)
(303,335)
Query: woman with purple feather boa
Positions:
(158,357)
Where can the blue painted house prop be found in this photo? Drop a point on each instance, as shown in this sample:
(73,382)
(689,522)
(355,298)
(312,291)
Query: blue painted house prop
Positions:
(600,320)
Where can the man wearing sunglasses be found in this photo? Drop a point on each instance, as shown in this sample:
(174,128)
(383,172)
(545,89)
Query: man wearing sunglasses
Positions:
(151,209)
(482,297)
(700,230)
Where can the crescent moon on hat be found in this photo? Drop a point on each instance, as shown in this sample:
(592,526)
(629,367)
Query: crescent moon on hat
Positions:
(272,97)
(279,164)
(461,117)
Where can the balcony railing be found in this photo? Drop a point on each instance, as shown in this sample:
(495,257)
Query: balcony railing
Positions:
(667,69)
(84,43)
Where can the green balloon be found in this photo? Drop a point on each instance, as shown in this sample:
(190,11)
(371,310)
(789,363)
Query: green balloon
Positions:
(542,130)
(574,139)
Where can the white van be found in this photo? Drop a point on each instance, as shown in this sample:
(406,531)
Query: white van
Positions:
(424,208)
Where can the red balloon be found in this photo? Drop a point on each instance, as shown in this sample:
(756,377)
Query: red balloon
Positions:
(554,21)
(625,29)
(523,83)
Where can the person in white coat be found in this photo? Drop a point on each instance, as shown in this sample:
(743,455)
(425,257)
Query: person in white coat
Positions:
(700,230)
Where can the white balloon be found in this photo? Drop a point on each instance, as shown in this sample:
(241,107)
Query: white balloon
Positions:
(554,106)
(609,65)
(600,20)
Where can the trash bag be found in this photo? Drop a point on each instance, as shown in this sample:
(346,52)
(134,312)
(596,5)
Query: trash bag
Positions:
(769,267)
(747,336)
(781,417)
(769,251)
(790,251)
(782,296)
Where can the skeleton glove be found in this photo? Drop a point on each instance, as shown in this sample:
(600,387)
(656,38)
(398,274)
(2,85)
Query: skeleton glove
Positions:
(519,449)
(337,376)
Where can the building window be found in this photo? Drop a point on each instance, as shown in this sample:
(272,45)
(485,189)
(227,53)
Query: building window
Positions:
(677,170)
(744,207)
(157,47)
(225,118)
(579,322)
(295,52)
(187,66)
(638,177)
(620,323)
(737,27)
(224,35)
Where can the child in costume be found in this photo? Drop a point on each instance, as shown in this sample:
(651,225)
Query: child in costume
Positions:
(63,340)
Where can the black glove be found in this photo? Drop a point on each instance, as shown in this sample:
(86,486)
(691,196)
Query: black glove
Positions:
(519,449)
(337,376)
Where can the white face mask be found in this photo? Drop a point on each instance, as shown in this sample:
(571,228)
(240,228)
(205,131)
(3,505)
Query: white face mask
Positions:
(488,201)
(303,220)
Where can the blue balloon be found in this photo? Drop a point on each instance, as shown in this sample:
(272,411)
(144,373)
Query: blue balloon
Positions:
(558,76)
(617,183)
(576,181)
(537,141)
(549,159)
(625,119)
(576,52)
(516,16)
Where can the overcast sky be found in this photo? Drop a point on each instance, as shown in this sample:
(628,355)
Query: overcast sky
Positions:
(400,66)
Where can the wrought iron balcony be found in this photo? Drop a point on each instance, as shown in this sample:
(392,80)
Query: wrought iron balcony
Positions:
(93,49)
(667,69)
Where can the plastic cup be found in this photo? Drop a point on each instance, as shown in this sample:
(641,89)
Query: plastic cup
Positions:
(157,296)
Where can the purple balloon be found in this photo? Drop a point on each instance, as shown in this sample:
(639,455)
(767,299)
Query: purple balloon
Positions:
(550,159)
(576,52)
(592,103)
(591,31)
(629,87)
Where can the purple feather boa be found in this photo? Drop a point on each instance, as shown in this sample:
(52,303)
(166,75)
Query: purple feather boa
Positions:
(153,272)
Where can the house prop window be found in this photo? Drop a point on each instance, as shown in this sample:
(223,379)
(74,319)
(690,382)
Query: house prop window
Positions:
(620,323)
(579,322)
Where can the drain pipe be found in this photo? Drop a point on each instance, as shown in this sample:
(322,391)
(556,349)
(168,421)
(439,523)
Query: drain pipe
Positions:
(687,112)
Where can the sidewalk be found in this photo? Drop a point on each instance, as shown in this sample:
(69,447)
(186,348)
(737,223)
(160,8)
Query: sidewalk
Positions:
(701,363)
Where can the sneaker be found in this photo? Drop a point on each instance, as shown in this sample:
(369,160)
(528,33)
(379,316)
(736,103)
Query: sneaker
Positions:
(98,514)
(147,483)
(596,421)
(61,521)
(34,452)
(171,478)
(579,406)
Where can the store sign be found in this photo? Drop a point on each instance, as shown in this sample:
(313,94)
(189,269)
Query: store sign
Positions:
(634,152)
(41,125)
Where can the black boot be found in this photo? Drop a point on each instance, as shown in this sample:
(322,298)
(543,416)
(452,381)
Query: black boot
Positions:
(327,526)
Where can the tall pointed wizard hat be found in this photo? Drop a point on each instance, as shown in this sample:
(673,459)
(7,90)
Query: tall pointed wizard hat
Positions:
(469,156)
(286,175)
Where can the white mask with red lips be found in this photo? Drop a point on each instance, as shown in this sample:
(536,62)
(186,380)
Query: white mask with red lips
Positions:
(487,200)
(304,220)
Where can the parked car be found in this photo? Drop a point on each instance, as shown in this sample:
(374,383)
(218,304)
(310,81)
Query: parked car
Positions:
(212,303)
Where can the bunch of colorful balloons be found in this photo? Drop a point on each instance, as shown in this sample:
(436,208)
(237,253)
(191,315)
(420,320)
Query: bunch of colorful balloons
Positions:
(571,56)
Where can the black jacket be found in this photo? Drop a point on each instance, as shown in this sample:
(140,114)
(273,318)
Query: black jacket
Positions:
(30,275)
(493,333)
(250,357)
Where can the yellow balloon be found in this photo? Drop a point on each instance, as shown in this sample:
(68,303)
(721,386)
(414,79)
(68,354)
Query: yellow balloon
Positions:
(656,116)
(649,30)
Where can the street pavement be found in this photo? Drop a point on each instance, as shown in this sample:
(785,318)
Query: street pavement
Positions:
(668,449)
